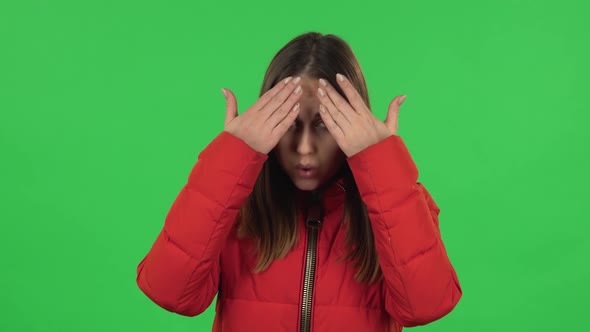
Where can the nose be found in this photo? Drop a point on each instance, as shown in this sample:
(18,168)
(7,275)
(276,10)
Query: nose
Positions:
(305,143)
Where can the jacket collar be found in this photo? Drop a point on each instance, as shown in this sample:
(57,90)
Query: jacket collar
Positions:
(331,196)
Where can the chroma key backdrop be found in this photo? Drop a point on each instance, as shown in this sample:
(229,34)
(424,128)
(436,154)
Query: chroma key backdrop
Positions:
(105,106)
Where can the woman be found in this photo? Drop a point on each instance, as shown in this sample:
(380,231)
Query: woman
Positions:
(305,213)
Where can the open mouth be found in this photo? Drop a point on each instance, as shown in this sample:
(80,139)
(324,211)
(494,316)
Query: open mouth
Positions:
(306,171)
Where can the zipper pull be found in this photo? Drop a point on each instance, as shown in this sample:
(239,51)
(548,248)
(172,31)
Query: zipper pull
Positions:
(314,215)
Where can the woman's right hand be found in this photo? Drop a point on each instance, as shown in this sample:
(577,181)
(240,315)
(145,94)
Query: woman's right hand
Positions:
(263,124)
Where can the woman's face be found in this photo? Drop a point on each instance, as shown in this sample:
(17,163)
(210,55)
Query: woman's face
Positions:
(307,152)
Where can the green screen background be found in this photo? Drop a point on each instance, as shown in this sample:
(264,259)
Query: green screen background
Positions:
(105,105)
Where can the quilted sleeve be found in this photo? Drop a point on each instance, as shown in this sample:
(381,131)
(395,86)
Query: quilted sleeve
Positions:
(181,271)
(420,284)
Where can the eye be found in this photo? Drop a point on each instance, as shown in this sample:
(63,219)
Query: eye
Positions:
(320,124)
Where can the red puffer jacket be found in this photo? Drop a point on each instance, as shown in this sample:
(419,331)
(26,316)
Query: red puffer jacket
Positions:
(197,253)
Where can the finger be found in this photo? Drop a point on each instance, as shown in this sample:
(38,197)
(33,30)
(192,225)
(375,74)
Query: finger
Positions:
(278,115)
(332,126)
(266,97)
(281,96)
(336,114)
(231,105)
(333,97)
(272,93)
(350,92)
(391,120)
(281,128)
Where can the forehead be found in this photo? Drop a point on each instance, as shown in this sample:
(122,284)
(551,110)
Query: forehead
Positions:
(309,99)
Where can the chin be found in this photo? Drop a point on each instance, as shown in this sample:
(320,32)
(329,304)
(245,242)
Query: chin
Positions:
(306,185)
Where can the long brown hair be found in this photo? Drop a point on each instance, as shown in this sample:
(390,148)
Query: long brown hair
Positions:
(269,215)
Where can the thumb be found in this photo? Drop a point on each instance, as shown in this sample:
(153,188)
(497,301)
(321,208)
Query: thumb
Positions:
(391,120)
(231,105)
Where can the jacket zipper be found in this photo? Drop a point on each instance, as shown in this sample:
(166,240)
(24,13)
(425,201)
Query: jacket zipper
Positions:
(313,227)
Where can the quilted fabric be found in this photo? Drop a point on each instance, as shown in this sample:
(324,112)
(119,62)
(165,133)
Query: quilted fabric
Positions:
(197,253)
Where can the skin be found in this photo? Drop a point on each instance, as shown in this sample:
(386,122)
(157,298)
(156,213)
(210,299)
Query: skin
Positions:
(286,117)
(353,125)
(309,142)
(263,124)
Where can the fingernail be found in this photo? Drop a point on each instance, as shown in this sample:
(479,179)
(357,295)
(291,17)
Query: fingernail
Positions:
(321,92)
(296,80)
(298,89)
(323,82)
(288,79)
(401,100)
(322,108)
(340,77)
(224,92)
(296,108)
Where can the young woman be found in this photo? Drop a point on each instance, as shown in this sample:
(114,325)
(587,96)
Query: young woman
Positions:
(305,213)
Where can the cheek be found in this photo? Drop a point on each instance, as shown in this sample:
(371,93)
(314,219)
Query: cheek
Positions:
(283,143)
(281,150)
(331,145)
(333,156)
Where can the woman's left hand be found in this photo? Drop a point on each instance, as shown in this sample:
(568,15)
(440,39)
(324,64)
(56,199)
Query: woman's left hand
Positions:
(352,125)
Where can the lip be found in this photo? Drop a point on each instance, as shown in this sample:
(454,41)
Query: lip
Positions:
(307,171)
